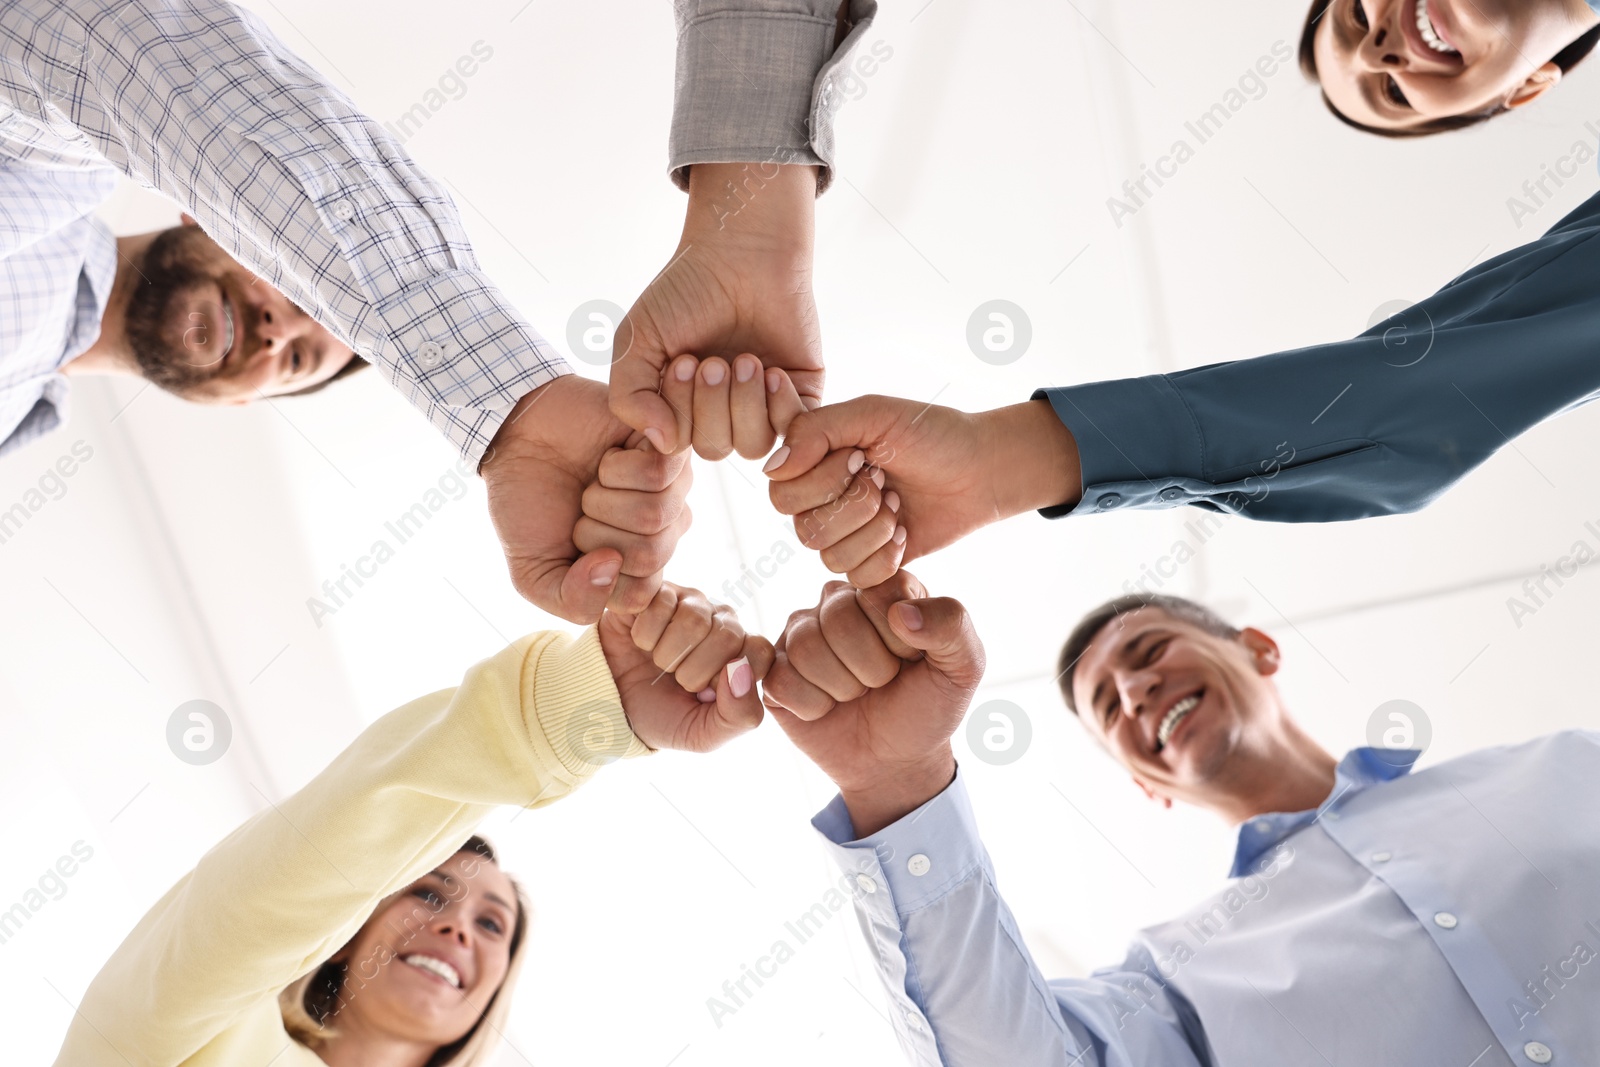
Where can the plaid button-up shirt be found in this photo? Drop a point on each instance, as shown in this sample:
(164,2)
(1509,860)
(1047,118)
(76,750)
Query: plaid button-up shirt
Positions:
(198,99)
(57,263)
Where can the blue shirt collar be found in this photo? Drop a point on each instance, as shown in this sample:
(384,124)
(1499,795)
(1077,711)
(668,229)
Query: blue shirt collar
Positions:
(1360,768)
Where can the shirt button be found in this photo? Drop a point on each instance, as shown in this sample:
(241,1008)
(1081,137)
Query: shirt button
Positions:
(1172,493)
(1382,857)
(1445,921)
(1538,1052)
(1108,501)
(914,1022)
(344,210)
(430,353)
(866,883)
(918,865)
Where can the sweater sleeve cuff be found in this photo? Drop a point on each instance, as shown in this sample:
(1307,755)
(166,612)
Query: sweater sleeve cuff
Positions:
(573,707)
(1139,445)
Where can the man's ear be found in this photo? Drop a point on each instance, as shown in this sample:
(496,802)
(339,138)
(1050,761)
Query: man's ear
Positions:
(1539,82)
(1263,650)
(188,219)
(1165,802)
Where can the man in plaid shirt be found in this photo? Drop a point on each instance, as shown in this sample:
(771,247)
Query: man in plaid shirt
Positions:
(318,242)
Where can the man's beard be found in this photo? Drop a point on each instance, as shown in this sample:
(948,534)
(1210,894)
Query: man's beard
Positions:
(173,262)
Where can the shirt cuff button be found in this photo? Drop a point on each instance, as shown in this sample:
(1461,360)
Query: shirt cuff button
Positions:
(344,210)
(918,865)
(866,883)
(1538,1052)
(1171,493)
(430,354)
(1108,501)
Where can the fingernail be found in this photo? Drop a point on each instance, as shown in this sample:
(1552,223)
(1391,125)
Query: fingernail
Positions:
(740,677)
(605,573)
(899,535)
(776,460)
(877,477)
(910,615)
(712,371)
(857,458)
(774,381)
(744,368)
(707,696)
(892,499)
(683,370)
(653,435)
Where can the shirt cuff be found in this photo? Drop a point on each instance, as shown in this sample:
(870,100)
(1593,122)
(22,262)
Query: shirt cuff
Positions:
(570,690)
(456,351)
(1139,445)
(761,87)
(918,859)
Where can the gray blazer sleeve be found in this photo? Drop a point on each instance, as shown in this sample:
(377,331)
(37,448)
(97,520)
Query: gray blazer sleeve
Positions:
(757,81)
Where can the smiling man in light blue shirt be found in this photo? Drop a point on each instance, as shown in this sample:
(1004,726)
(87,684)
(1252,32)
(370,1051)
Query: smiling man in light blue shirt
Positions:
(1375,916)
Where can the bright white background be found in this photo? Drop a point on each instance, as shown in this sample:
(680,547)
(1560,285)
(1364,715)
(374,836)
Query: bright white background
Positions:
(975,164)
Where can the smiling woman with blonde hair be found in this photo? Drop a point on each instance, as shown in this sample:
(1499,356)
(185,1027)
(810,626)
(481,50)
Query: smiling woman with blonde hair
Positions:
(360,921)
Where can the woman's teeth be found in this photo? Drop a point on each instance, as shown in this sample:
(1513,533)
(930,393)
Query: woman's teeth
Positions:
(1176,714)
(433,966)
(1430,36)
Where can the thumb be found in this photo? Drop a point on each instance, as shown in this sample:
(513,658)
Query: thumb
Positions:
(578,591)
(941,628)
(859,423)
(739,706)
(635,393)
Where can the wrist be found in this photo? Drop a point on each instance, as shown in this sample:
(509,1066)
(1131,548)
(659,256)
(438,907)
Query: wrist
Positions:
(764,208)
(1033,458)
(889,794)
(513,429)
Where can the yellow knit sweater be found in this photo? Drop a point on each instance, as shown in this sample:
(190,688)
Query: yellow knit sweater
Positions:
(197,981)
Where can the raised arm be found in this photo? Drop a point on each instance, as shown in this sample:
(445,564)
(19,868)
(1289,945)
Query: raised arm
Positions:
(281,894)
(758,84)
(1379,424)
(870,685)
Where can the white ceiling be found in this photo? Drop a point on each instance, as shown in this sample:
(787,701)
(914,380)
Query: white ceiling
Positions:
(976,165)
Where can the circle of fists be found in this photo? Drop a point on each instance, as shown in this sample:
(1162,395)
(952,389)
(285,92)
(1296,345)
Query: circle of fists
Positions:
(877,676)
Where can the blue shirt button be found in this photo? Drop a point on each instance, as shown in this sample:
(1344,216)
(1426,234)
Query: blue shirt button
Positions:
(1108,501)
(1171,493)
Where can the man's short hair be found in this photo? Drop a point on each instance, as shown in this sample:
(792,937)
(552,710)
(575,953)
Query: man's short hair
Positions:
(1090,625)
(1565,60)
(356,363)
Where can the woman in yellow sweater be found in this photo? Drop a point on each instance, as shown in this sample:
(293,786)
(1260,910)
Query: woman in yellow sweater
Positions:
(359,922)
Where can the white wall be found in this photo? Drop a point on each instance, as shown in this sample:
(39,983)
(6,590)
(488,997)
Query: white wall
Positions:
(976,164)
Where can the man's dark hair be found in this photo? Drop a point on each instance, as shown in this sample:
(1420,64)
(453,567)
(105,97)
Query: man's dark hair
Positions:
(1565,59)
(356,363)
(1090,625)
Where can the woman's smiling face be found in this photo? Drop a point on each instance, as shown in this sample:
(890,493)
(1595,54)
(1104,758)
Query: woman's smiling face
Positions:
(1401,64)
(427,964)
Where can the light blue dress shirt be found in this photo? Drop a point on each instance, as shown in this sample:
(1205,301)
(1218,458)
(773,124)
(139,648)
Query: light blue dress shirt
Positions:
(1449,917)
(57,263)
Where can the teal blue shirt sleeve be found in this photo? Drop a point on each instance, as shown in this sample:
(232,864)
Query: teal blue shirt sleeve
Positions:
(1377,425)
